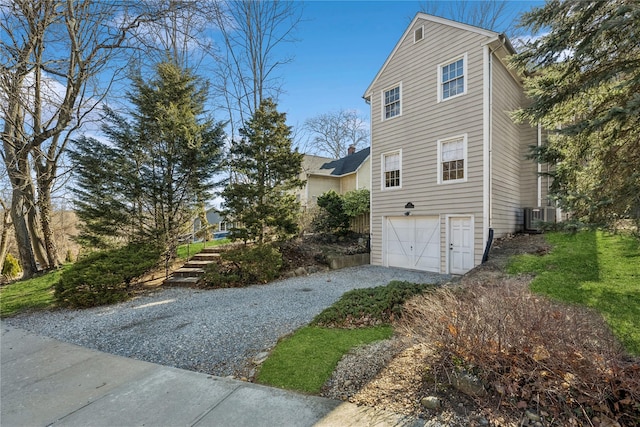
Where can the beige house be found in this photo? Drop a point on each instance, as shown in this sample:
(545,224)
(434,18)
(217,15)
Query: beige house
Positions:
(352,172)
(448,163)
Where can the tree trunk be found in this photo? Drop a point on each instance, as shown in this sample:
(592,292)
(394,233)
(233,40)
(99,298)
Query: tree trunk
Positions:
(51,249)
(4,236)
(23,238)
(45,174)
(17,165)
(36,239)
(204,222)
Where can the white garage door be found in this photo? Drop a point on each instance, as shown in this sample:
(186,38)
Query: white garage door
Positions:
(413,242)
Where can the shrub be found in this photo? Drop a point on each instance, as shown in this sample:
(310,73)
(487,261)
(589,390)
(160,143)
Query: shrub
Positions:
(11,267)
(370,306)
(356,202)
(332,218)
(105,277)
(530,351)
(244,266)
(336,211)
(69,257)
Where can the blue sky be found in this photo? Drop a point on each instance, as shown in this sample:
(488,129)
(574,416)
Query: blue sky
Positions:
(341,47)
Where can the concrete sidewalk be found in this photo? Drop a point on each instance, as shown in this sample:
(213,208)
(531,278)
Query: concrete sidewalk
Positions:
(46,382)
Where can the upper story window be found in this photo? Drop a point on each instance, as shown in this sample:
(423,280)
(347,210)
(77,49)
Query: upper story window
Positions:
(452,159)
(391,168)
(391,102)
(452,78)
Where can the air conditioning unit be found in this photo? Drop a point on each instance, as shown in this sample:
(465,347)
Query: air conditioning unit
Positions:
(533,216)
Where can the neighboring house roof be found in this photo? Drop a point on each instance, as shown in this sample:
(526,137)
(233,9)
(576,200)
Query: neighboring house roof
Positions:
(311,165)
(423,16)
(346,165)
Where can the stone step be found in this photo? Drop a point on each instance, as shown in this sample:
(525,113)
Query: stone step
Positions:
(205,257)
(181,281)
(212,250)
(193,263)
(188,272)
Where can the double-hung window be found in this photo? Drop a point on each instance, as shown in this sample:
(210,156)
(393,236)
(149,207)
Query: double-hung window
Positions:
(391,106)
(452,78)
(391,167)
(452,159)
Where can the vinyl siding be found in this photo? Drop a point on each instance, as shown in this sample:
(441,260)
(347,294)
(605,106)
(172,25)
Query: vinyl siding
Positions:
(529,175)
(424,121)
(507,160)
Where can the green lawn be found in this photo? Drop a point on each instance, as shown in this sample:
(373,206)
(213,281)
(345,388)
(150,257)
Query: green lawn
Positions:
(189,250)
(305,360)
(36,293)
(594,269)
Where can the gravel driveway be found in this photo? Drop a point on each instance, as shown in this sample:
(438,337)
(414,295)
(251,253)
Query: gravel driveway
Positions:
(213,331)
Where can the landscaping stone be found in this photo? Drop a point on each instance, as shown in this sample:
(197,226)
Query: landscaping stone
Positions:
(430,402)
(468,384)
(260,358)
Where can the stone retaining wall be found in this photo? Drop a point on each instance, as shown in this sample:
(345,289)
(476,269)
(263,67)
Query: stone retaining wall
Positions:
(345,261)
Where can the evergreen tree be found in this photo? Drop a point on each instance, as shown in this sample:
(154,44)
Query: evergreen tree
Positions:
(266,171)
(104,209)
(157,167)
(584,83)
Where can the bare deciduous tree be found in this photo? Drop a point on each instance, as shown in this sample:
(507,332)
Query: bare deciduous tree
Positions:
(54,54)
(252,34)
(332,133)
(5,226)
(179,35)
(488,14)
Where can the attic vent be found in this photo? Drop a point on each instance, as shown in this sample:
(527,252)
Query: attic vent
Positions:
(418,34)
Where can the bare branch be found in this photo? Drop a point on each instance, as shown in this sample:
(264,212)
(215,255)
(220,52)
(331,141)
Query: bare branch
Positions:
(334,132)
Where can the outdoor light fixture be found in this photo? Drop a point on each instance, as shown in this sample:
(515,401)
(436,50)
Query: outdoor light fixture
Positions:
(409,206)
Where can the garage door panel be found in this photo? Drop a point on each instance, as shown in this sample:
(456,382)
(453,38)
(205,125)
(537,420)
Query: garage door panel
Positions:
(396,247)
(397,260)
(413,242)
(404,234)
(431,263)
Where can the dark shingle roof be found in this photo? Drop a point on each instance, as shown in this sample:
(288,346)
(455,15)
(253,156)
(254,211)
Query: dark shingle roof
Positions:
(348,164)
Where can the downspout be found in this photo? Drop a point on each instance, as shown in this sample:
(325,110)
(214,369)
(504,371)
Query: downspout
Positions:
(368,101)
(486,146)
(487,231)
(539,168)
(491,140)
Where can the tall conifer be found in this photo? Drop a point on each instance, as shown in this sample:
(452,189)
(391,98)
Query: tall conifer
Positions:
(265,172)
(159,163)
(584,83)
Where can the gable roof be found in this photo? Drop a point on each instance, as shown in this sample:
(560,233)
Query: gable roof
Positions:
(348,164)
(426,17)
(312,164)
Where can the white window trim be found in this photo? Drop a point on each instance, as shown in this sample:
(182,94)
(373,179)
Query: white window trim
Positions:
(466,159)
(397,85)
(464,76)
(382,171)
(421,27)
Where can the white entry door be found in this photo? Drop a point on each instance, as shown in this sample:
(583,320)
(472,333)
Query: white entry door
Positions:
(413,242)
(460,245)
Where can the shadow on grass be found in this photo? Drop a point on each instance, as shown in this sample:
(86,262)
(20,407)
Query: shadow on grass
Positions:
(593,269)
